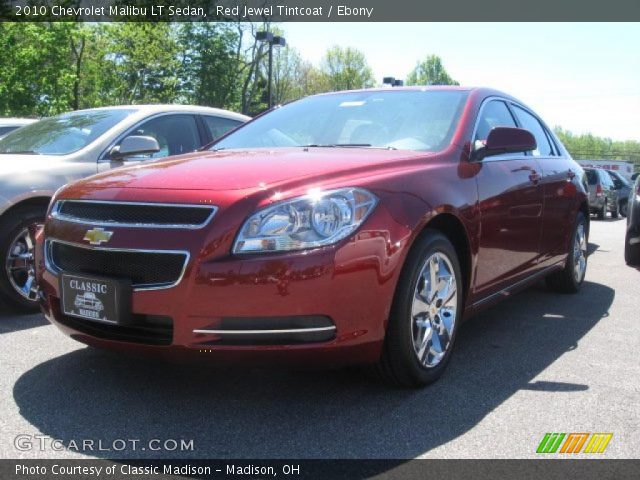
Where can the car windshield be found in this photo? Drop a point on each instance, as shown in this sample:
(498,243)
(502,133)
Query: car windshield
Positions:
(394,119)
(63,134)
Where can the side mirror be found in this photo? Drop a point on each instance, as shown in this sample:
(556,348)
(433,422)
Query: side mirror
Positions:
(506,140)
(134,145)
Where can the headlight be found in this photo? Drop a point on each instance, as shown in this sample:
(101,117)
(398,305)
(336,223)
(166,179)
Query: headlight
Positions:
(315,220)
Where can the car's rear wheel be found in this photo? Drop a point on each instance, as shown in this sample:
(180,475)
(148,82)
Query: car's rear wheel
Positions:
(425,316)
(624,208)
(603,211)
(570,278)
(17,277)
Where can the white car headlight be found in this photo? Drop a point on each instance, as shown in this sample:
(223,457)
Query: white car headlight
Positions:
(314,220)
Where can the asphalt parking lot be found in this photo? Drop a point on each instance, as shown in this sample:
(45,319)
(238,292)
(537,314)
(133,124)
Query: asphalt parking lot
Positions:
(539,362)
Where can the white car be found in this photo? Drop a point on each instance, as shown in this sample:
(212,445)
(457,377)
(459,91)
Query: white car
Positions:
(39,158)
(10,124)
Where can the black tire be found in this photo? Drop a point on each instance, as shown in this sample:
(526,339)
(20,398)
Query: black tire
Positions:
(10,226)
(624,208)
(615,213)
(631,252)
(399,364)
(603,211)
(565,281)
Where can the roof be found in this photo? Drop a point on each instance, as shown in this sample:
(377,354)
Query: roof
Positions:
(160,108)
(415,88)
(11,121)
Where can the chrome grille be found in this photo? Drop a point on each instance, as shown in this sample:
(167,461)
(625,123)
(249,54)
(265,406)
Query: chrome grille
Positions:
(146,269)
(133,214)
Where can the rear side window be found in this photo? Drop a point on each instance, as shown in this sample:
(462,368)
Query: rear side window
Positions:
(531,123)
(218,126)
(592,177)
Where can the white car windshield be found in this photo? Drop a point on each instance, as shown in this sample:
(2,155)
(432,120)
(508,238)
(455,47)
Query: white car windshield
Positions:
(395,119)
(63,134)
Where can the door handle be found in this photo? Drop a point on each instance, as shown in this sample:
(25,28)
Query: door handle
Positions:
(534,177)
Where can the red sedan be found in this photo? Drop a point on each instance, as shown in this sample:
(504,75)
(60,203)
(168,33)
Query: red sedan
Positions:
(354,227)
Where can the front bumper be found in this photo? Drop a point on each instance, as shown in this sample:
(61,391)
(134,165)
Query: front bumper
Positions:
(323,307)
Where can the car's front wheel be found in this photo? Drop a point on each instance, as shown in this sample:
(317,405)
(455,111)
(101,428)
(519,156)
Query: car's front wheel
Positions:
(570,278)
(17,277)
(425,316)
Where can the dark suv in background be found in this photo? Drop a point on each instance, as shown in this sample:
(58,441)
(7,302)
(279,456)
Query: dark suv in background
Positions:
(623,187)
(603,196)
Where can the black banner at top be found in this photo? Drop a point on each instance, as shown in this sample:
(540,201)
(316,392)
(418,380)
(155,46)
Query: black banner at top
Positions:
(319,10)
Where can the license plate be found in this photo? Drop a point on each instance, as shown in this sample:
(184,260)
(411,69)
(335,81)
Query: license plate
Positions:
(96,298)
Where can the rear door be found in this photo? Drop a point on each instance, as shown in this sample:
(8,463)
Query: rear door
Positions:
(511,201)
(558,173)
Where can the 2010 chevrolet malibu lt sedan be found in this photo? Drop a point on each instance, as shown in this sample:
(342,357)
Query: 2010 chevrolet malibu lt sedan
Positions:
(355,227)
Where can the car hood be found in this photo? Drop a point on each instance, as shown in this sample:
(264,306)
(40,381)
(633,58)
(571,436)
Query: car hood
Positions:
(244,169)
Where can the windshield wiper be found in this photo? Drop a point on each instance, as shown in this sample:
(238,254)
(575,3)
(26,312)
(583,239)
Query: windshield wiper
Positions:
(345,145)
(20,152)
(337,145)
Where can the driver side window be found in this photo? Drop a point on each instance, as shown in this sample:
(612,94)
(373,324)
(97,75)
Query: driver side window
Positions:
(494,114)
(176,134)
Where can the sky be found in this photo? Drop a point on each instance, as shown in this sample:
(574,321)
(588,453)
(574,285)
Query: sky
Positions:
(584,77)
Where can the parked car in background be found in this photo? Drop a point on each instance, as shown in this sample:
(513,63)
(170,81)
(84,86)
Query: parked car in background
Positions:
(10,124)
(39,158)
(622,167)
(355,227)
(623,188)
(603,196)
(632,237)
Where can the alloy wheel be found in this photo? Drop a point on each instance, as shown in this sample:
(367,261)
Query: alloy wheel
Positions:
(20,266)
(580,253)
(433,311)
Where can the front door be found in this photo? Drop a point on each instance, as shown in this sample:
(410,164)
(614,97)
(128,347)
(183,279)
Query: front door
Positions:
(511,204)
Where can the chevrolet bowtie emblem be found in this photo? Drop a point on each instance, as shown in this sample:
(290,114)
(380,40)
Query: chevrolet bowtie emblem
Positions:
(97,236)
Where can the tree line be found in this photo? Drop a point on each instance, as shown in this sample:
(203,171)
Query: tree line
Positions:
(48,68)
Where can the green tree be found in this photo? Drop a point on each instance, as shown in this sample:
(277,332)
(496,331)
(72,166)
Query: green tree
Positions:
(141,61)
(587,146)
(430,72)
(346,69)
(207,71)
(36,69)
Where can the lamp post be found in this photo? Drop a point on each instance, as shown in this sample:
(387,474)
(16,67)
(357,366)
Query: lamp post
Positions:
(272,40)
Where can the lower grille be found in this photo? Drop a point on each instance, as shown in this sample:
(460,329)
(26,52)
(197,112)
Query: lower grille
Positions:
(145,329)
(145,269)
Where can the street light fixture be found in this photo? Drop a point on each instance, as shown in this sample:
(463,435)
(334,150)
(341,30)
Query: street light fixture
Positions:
(272,40)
